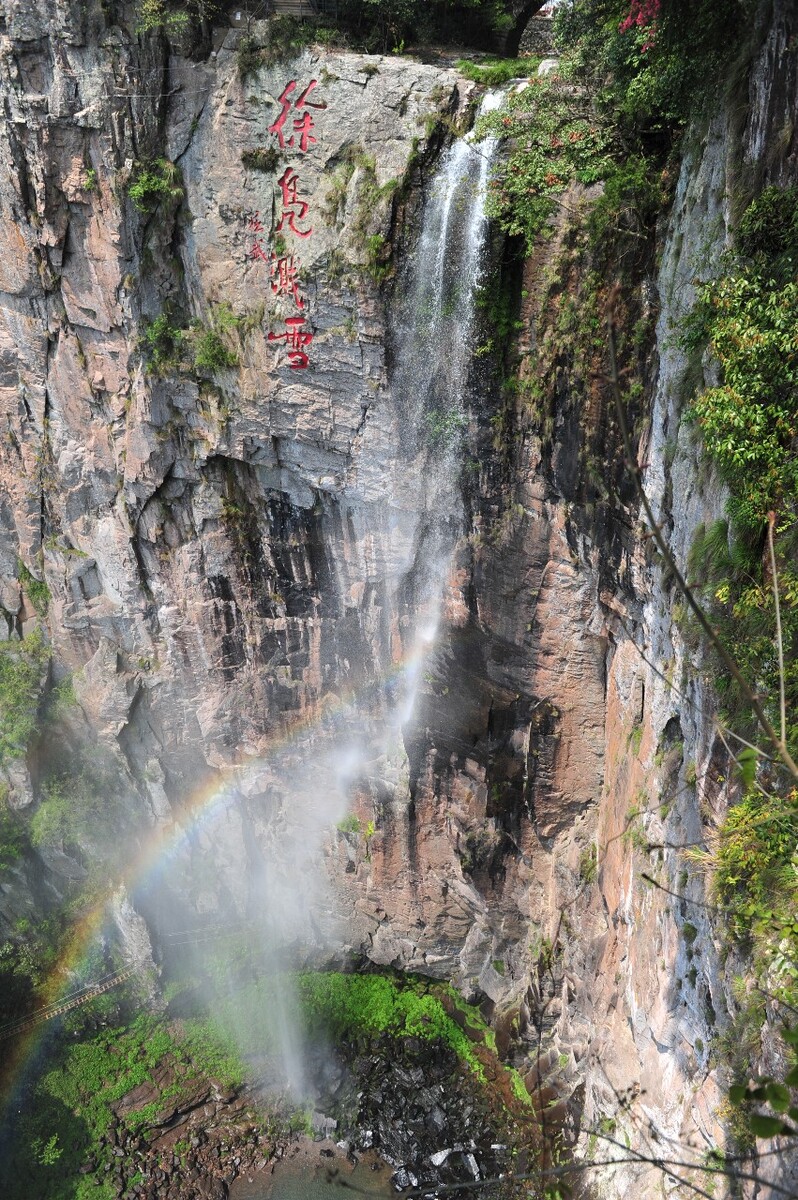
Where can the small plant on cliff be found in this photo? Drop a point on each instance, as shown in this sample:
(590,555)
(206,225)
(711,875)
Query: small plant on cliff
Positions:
(265,159)
(211,354)
(162,343)
(153,183)
(173,16)
(35,589)
(22,666)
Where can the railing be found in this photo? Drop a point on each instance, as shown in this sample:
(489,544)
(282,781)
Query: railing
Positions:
(81,996)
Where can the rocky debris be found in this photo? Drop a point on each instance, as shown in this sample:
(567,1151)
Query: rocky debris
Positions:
(405,1102)
(192,1149)
(427,1116)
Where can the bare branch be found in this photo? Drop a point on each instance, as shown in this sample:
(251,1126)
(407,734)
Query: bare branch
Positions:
(779,643)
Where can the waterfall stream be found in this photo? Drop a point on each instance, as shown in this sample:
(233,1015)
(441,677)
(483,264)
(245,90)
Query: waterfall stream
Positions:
(433,348)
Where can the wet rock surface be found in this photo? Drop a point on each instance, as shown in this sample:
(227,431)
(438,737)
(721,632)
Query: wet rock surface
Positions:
(408,1103)
(194,1148)
(424,1115)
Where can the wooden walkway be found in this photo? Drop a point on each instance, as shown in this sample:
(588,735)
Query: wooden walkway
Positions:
(82,996)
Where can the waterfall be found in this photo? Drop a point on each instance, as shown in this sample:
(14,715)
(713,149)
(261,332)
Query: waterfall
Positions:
(433,342)
(433,348)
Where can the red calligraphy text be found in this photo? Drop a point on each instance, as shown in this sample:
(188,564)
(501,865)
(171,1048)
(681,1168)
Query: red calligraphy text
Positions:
(284,276)
(257,250)
(302,124)
(294,209)
(295,339)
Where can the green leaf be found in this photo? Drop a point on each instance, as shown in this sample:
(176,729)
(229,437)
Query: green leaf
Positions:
(767,1127)
(746,762)
(779,1096)
(737,1093)
(791,1078)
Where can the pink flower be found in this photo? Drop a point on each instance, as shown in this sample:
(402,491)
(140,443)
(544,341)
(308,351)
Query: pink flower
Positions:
(643,14)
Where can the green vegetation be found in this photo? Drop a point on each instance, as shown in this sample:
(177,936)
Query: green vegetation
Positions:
(588,864)
(748,318)
(174,16)
(349,824)
(36,590)
(755,883)
(71,1107)
(444,427)
(350,1006)
(154,183)
(162,343)
(493,72)
(265,159)
(553,140)
(613,111)
(22,668)
(79,806)
(211,352)
(201,348)
(652,77)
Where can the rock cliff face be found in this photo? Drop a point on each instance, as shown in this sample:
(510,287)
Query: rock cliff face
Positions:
(233,550)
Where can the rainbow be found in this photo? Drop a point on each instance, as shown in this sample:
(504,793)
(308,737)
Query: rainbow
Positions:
(162,845)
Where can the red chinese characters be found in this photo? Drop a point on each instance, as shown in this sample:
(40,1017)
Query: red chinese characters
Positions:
(294,209)
(284,279)
(295,338)
(293,129)
(257,250)
(302,124)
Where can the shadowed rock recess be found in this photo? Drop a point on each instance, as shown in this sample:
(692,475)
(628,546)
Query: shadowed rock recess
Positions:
(345,649)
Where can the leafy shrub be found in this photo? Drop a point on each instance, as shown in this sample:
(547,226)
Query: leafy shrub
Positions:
(153,183)
(753,859)
(36,590)
(162,343)
(553,141)
(211,353)
(768,232)
(22,667)
(748,421)
(631,198)
(158,14)
(493,72)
